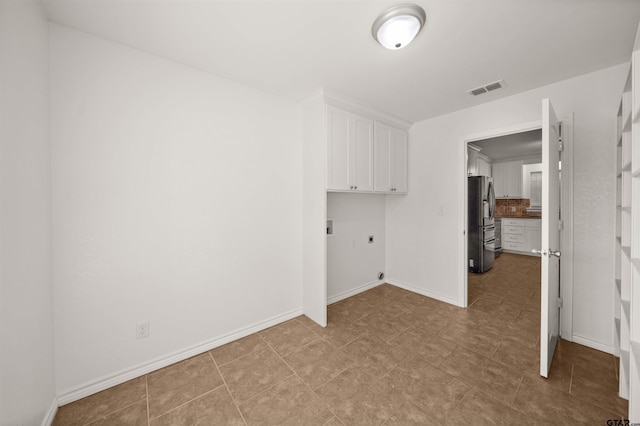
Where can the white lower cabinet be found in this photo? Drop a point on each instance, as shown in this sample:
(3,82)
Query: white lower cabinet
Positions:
(533,235)
(521,235)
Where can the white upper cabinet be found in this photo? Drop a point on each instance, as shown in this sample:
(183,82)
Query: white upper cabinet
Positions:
(390,159)
(507,179)
(366,149)
(484,167)
(472,161)
(350,151)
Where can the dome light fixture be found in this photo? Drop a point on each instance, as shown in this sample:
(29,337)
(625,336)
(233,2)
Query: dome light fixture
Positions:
(397,26)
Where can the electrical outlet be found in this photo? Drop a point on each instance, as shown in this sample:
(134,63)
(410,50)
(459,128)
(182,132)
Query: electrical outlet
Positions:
(142,329)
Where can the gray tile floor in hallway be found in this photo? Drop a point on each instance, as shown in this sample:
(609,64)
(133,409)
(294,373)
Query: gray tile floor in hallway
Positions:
(388,356)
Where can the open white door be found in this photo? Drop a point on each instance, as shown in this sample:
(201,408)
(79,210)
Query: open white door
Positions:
(550,254)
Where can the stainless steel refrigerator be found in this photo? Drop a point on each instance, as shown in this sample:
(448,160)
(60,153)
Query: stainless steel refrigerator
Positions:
(481,228)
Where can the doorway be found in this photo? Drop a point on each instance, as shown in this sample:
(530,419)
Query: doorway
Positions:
(512,164)
(525,130)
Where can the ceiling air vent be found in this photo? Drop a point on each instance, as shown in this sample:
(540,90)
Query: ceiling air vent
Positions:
(487,88)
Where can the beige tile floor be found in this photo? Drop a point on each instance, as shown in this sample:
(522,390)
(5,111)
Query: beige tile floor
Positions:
(388,356)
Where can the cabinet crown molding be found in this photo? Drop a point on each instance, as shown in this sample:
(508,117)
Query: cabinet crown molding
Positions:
(338,100)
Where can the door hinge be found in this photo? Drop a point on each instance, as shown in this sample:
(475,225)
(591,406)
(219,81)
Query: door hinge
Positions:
(560,145)
(560,304)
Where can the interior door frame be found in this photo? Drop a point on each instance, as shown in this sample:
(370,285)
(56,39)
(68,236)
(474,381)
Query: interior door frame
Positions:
(566,278)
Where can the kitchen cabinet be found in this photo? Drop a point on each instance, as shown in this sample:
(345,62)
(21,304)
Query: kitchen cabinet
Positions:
(521,235)
(477,164)
(484,166)
(533,235)
(472,160)
(390,149)
(350,151)
(507,179)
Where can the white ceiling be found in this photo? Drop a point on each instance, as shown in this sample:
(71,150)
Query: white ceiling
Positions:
(290,48)
(517,145)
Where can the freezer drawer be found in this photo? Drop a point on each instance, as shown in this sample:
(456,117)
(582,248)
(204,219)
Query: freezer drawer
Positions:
(489,233)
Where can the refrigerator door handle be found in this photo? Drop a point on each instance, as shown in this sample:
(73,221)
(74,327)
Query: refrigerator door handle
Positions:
(490,245)
(492,199)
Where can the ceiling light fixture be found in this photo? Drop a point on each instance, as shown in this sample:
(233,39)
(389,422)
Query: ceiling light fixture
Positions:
(397,26)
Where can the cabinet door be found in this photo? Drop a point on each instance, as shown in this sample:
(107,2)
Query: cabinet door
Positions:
(361,160)
(499,180)
(382,145)
(400,142)
(390,156)
(350,151)
(484,167)
(533,235)
(514,178)
(338,149)
(473,166)
(507,179)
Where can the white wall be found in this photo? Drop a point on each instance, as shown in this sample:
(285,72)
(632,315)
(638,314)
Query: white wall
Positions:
(353,263)
(27,387)
(424,246)
(314,213)
(177,198)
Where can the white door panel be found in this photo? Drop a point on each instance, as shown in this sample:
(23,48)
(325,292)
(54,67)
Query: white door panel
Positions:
(550,255)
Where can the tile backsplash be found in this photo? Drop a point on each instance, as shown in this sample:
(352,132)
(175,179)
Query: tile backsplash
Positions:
(514,207)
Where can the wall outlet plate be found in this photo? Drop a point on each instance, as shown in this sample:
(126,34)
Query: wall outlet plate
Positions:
(142,329)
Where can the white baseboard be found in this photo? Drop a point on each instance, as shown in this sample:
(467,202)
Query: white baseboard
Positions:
(50,415)
(423,292)
(524,253)
(122,376)
(353,292)
(594,345)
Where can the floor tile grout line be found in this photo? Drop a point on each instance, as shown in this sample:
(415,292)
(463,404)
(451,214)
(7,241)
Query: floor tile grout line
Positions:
(293,373)
(112,413)
(241,356)
(350,341)
(305,345)
(301,380)
(187,402)
(146,388)
(334,376)
(571,378)
(224,381)
(515,394)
